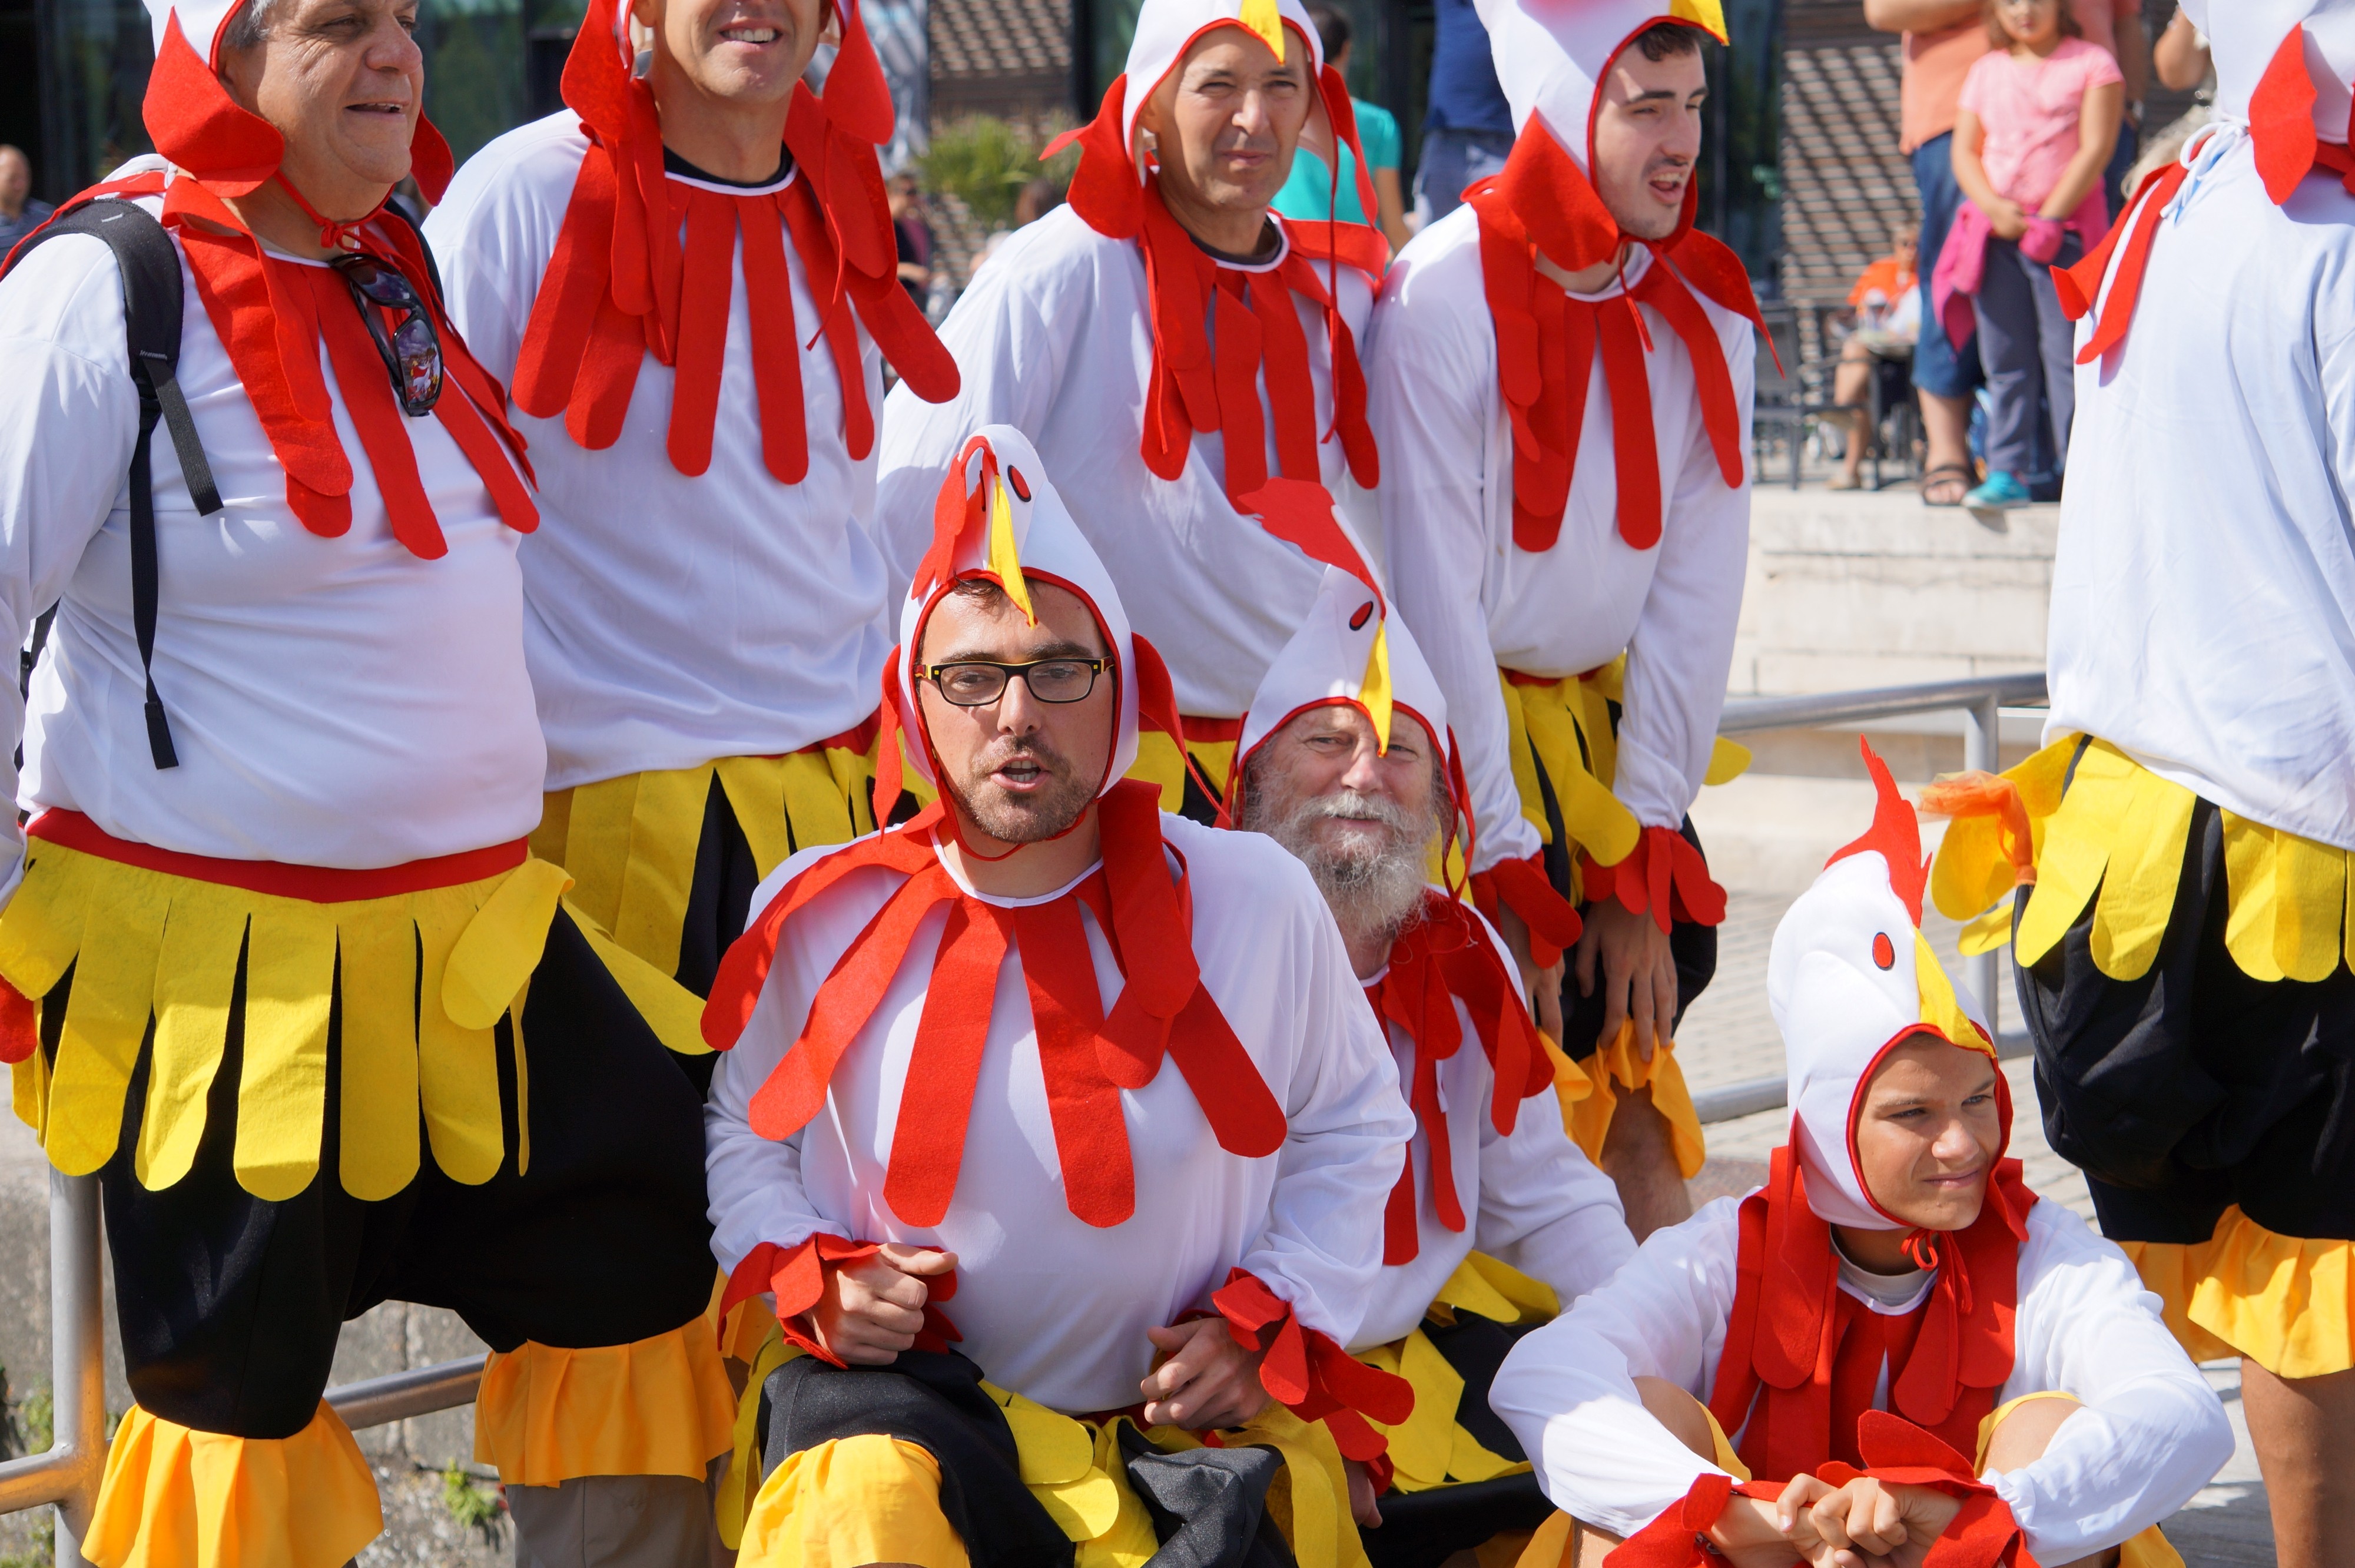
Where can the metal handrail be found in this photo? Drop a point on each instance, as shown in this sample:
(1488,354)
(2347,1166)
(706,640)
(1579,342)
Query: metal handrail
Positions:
(68,1473)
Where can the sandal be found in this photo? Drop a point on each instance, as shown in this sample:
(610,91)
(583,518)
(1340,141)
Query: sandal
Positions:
(1960,475)
(1843,481)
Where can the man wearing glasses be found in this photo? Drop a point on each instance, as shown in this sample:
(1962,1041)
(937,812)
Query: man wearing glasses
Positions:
(690,288)
(273,947)
(1055,1128)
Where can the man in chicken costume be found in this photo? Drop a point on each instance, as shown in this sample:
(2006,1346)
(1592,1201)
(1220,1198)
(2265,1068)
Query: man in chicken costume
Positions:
(686,275)
(1348,761)
(1894,1301)
(2190,826)
(1567,318)
(279,970)
(1183,355)
(1101,1073)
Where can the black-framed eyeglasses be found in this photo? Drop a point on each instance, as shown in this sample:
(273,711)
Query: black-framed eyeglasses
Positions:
(977,683)
(411,351)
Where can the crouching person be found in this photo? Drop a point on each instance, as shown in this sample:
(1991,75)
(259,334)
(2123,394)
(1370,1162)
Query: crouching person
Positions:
(1349,762)
(1031,1275)
(1893,1342)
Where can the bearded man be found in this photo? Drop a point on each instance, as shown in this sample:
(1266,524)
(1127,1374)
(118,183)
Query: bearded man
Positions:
(1498,1221)
(1098,1073)
(1565,319)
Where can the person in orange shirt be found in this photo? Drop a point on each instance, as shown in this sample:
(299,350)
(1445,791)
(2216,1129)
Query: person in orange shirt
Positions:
(1943,38)
(1887,302)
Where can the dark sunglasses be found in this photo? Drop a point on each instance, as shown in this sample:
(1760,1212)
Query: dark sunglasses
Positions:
(411,351)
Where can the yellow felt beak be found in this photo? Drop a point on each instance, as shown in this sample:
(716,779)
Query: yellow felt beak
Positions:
(1262,17)
(1940,1008)
(1005,561)
(1709,13)
(1374,691)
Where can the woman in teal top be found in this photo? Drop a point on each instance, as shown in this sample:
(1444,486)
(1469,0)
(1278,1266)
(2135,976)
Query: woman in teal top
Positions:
(1309,195)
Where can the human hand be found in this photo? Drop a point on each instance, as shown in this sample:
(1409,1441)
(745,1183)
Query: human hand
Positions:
(1364,1507)
(2008,219)
(1638,973)
(1542,985)
(1207,1382)
(871,1309)
(2042,241)
(1749,1534)
(1866,1523)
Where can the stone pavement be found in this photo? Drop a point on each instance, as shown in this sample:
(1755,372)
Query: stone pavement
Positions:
(1729,1036)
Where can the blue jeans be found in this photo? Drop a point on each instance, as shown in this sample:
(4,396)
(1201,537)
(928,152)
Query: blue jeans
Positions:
(2029,349)
(1939,368)
(1451,160)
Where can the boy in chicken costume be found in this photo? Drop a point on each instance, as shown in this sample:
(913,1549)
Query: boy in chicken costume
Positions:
(1348,761)
(1016,1121)
(1893,1300)
(1202,406)
(2182,955)
(279,970)
(1566,320)
(694,355)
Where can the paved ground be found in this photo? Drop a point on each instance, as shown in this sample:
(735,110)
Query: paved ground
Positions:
(1729,1036)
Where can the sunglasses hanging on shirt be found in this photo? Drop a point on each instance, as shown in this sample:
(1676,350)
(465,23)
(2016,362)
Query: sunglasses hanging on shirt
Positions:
(411,350)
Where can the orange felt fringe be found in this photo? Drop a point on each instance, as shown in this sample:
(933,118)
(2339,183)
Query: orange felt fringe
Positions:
(2286,1303)
(174,1497)
(661,1406)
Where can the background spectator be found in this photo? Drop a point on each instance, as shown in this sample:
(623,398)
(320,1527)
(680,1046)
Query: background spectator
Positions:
(19,213)
(1468,131)
(1943,39)
(2179,59)
(915,238)
(2033,132)
(1887,300)
(1311,194)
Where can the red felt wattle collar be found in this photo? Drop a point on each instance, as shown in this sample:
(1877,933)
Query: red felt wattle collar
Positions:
(1445,957)
(643,265)
(1541,204)
(1147,916)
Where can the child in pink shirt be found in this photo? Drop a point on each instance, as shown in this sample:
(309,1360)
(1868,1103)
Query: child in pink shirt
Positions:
(2037,119)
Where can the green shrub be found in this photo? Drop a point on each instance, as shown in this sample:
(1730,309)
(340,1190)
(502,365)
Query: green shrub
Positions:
(984,162)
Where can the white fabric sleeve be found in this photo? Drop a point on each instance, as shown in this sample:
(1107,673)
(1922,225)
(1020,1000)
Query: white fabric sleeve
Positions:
(1544,1207)
(754,1184)
(1010,367)
(1568,1390)
(1431,388)
(2151,1432)
(1682,649)
(68,419)
(1321,1249)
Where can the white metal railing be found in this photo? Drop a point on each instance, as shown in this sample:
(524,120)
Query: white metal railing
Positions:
(67,1475)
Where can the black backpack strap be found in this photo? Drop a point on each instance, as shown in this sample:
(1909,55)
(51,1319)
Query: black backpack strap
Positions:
(152,301)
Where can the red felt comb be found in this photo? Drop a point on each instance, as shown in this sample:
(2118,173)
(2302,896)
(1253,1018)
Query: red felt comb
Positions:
(1895,834)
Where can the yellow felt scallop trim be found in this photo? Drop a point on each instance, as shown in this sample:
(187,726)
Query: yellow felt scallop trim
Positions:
(149,946)
(2288,1302)
(2117,839)
(1159,764)
(630,843)
(1619,1069)
(1432,1448)
(1565,730)
(657,1406)
(174,1497)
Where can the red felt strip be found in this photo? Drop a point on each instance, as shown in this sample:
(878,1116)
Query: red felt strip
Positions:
(1242,1113)
(1236,350)
(20,1025)
(1713,382)
(936,1094)
(558,333)
(776,337)
(1634,444)
(1291,391)
(708,278)
(367,399)
(1066,1007)
(609,374)
(1401,1229)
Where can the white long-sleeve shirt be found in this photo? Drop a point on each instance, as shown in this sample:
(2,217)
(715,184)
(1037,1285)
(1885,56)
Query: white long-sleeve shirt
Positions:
(1050,1307)
(1477,601)
(2150,1432)
(1055,338)
(672,620)
(1530,1198)
(2203,590)
(334,702)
